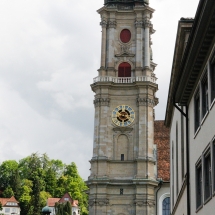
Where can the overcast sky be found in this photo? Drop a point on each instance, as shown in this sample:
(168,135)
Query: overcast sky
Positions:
(49,55)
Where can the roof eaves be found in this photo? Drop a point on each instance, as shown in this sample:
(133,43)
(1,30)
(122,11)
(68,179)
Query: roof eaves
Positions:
(183,86)
(183,25)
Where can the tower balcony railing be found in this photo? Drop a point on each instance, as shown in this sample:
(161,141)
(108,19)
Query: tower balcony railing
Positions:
(124,80)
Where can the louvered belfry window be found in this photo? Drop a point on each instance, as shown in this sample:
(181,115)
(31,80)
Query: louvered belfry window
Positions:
(124,70)
(125,35)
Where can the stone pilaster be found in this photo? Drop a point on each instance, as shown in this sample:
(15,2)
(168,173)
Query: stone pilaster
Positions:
(147,25)
(103,24)
(111,44)
(139,45)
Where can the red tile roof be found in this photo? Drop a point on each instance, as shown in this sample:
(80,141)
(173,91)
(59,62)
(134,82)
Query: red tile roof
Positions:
(68,198)
(51,201)
(75,203)
(4,201)
(161,139)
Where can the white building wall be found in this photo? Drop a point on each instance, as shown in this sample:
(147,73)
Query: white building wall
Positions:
(161,194)
(199,141)
(12,210)
(177,153)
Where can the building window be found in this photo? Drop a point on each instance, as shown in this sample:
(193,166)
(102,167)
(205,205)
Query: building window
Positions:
(176,154)
(7,210)
(125,36)
(122,157)
(198,185)
(204,95)
(182,144)
(173,175)
(121,191)
(166,206)
(66,199)
(214,164)
(197,111)
(124,70)
(212,78)
(207,176)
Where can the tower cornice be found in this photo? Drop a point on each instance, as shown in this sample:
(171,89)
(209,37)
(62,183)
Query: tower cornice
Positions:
(111,85)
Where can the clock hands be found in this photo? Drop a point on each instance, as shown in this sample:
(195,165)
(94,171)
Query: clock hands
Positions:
(123,115)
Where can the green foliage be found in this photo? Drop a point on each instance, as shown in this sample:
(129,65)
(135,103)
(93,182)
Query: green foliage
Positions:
(25,198)
(68,208)
(8,192)
(36,178)
(43,198)
(7,170)
(63,208)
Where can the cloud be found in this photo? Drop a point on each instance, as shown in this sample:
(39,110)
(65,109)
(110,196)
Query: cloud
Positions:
(50,53)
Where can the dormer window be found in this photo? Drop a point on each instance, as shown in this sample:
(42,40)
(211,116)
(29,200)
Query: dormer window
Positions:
(66,199)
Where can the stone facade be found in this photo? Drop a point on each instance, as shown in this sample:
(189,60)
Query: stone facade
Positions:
(124,186)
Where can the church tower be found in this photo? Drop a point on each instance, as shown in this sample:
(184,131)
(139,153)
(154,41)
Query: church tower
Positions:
(123,171)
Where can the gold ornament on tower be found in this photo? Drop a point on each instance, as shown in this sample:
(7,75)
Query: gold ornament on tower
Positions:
(123,115)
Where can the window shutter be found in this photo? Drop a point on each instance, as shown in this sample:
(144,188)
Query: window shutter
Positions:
(127,71)
(124,70)
(121,72)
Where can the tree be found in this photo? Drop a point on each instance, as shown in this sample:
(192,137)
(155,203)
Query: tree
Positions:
(31,168)
(68,208)
(36,178)
(63,208)
(25,197)
(43,198)
(50,181)
(58,167)
(7,170)
(76,187)
(59,209)
(8,192)
(16,183)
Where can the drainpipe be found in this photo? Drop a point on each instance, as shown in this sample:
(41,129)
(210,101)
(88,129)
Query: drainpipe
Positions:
(160,185)
(187,153)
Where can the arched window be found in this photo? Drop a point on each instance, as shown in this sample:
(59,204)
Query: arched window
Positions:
(166,206)
(124,70)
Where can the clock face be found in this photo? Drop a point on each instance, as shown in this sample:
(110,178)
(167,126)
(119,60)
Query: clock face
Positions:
(123,115)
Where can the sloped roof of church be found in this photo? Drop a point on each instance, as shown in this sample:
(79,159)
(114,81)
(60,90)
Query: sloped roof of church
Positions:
(161,139)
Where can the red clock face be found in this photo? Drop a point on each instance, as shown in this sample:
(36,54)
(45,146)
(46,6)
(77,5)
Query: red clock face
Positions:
(125,35)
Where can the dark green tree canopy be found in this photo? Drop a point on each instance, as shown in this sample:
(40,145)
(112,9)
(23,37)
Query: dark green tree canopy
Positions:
(37,177)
